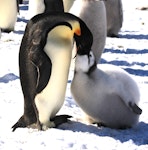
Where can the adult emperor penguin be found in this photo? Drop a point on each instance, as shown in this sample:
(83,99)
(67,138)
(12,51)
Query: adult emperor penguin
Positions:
(44,60)
(8,15)
(114,13)
(93,13)
(40,6)
(107,94)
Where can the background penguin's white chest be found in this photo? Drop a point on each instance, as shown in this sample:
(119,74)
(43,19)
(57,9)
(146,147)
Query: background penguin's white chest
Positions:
(36,7)
(8,13)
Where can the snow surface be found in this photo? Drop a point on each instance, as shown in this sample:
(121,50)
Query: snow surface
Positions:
(129,51)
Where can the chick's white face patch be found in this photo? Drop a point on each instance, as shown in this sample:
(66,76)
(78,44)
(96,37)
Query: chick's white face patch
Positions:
(84,62)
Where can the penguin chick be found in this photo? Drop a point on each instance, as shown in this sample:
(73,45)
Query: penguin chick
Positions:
(44,61)
(8,15)
(106,93)
(114,13)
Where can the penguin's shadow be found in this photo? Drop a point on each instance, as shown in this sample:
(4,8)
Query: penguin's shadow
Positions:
(137,134)
(8,77)
(130,36)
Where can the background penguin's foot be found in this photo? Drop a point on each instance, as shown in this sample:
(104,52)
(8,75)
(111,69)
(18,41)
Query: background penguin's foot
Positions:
(6,30)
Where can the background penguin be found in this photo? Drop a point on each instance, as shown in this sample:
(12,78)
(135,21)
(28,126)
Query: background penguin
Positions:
(8,15)
(108,95)
(44,59)
(93,13)
(67,4)
(40,6)
(114,13)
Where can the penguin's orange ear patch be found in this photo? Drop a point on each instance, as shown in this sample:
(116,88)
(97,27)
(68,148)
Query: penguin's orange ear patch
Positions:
(78,31)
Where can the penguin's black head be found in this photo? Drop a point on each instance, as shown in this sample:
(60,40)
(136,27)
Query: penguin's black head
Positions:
(84,41)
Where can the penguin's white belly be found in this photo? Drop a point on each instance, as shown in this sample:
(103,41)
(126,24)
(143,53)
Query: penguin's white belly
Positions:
(50,100)
(59,49)
(8,14)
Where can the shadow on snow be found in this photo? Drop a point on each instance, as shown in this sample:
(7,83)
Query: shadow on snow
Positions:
(127,65)
(137,134)
(130,36)
(127,51)
(8,77)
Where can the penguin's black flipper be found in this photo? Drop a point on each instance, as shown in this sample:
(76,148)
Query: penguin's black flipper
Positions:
(135,108)
(58,120)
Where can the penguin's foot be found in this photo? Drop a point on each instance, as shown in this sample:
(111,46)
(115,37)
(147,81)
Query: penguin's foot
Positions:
(56,121)
(37,126)
(135,108)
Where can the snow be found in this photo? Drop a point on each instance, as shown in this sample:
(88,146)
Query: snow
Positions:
(129,51)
